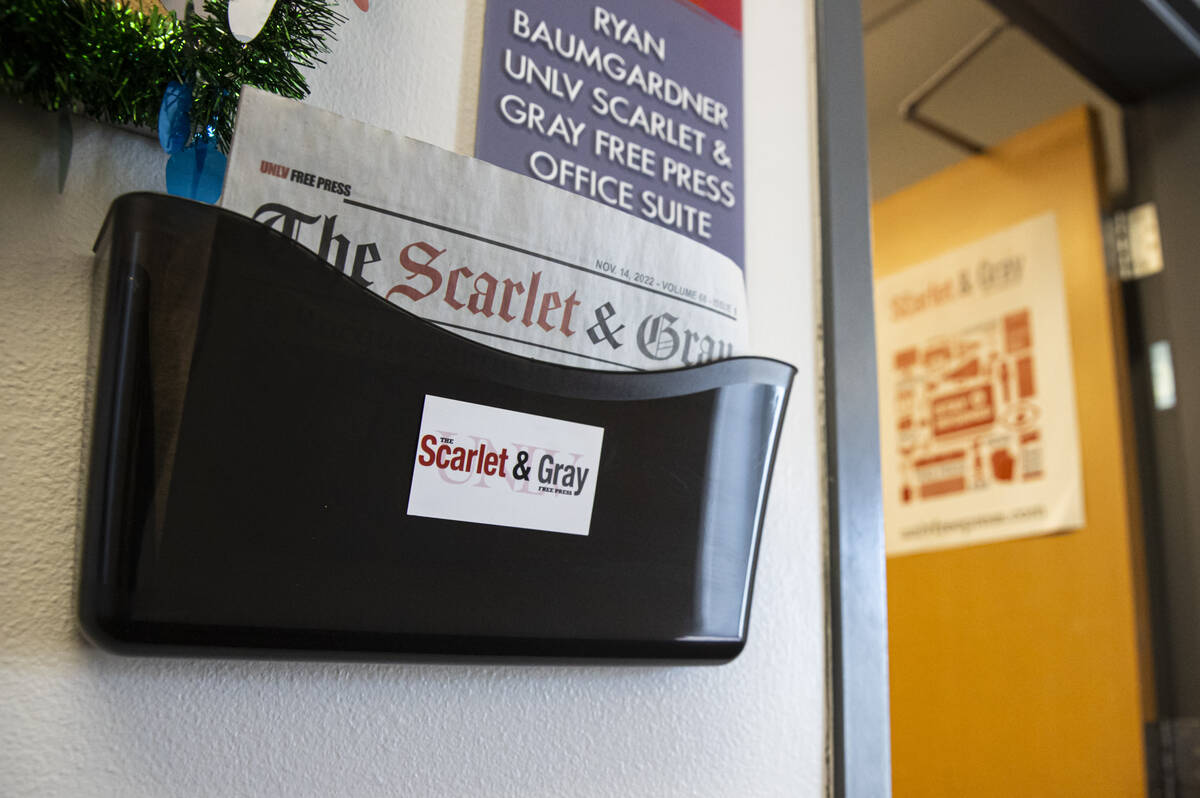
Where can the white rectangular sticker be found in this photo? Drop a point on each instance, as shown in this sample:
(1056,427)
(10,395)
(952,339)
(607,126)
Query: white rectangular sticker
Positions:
(486,465)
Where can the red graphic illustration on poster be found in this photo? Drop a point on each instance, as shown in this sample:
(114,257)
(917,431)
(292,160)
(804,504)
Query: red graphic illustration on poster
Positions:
(967,414)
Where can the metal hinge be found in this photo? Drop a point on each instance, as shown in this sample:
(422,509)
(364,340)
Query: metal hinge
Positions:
(1173,758)
(1133,244)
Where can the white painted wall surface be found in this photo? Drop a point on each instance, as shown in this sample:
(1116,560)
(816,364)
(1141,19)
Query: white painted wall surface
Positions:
(77,722)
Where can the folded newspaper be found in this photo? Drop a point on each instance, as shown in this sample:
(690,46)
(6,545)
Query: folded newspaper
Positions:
(498,257)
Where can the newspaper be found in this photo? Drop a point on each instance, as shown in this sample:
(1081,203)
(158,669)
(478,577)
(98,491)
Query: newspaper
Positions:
(492,255)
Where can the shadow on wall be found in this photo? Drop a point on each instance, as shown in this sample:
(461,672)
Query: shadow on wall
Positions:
(468,86)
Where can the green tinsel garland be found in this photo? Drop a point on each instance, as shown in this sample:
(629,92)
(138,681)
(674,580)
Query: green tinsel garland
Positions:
(113,62)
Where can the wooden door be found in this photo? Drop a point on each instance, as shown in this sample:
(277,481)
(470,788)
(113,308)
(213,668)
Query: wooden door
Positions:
(1015,666)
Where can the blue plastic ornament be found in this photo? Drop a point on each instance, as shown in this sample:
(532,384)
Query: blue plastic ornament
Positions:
(174,117)
(198,171)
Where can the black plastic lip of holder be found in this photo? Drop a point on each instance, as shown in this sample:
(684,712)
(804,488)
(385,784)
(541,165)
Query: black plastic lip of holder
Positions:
(254,428)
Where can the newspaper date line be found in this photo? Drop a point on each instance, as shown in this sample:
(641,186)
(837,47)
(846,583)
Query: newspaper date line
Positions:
(685,292)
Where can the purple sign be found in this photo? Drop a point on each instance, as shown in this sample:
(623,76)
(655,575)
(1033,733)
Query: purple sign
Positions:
(634,103)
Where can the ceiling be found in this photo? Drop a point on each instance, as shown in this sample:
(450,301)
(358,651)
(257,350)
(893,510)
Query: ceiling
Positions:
(1011,85)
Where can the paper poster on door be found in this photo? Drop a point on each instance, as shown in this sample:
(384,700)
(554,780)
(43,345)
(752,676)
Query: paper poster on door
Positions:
(976,395)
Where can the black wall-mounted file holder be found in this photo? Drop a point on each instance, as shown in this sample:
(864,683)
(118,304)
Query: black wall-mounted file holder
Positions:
(255,418)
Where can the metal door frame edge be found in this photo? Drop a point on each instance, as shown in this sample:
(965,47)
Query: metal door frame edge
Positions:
(858,668)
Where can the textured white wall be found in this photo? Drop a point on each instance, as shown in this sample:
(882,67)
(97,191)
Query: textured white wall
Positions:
(78,722)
